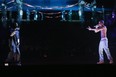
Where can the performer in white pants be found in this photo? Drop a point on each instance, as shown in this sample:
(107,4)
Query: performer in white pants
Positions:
(103,45)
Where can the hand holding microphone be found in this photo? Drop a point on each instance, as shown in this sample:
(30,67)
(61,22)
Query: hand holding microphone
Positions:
(96,26)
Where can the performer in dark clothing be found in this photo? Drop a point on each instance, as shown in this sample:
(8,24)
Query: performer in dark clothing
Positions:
(14,43)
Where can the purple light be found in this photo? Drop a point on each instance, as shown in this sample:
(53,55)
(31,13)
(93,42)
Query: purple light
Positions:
(113,14)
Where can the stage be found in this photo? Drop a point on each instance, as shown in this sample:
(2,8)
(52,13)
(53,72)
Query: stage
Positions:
(53,42)
(59,43)
(54,32)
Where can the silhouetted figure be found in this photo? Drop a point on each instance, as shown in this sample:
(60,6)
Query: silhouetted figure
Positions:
(28,15)
(14,43)
(70,15)
(63,15)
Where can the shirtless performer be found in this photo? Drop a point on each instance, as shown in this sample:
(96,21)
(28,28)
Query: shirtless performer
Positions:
(103,45)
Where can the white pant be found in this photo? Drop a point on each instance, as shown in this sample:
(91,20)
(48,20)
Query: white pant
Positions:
(103,45)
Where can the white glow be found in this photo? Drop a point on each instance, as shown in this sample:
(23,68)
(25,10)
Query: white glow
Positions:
(80,13)
(21,12)
(6,64)
(18,41)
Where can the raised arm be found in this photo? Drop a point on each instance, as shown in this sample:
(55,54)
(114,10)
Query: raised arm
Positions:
(95,29)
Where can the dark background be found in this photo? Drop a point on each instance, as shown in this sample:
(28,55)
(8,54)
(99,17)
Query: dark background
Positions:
(56,42)
(51,42)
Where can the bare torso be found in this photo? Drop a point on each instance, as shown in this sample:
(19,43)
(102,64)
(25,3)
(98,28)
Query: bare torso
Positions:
(104,32)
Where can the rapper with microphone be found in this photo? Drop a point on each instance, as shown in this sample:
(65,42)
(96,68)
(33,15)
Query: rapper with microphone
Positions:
(103,44)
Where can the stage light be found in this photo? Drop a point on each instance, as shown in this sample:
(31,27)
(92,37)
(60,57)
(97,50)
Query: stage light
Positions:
(3,4)
(80,13)
(113,14)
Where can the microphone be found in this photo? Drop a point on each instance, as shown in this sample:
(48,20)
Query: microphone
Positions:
(96,26)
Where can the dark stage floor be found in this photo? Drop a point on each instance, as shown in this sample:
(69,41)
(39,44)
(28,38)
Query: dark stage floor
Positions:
(61,43)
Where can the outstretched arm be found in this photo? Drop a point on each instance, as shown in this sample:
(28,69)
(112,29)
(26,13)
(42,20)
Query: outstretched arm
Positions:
(91,29)
(95,30)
